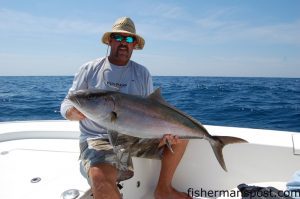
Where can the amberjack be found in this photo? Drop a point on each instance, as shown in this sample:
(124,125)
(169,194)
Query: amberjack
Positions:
(144,117)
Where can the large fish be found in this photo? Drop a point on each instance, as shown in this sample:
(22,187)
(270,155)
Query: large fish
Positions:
(144,117)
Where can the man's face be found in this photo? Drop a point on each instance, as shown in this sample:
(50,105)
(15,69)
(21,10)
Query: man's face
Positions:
(121,48)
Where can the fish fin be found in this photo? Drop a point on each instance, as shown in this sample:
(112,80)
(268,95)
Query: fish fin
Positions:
(113,137)
(169,146)
(113,116)
(156,95)
(218,143)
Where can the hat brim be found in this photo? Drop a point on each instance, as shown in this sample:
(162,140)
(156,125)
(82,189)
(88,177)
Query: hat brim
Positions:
(140,41)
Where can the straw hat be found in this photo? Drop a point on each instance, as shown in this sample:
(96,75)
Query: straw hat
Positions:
(124,25)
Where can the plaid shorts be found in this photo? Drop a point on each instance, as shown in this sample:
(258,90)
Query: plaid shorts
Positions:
(117,151)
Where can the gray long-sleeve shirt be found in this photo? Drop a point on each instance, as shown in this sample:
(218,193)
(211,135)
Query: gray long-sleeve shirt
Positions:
(101,74)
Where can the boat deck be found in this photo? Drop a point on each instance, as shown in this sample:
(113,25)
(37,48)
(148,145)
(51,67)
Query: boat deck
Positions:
(40,160)
(38,163)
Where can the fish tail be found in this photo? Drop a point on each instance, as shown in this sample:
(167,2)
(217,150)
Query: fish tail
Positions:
(218,142)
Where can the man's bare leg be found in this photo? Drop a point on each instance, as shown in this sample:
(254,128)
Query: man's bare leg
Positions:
(169,163)
(103,178)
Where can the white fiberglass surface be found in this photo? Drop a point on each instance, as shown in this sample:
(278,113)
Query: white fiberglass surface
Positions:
(39,168)
(268,157)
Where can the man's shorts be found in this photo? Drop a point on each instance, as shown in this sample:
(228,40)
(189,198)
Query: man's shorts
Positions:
(117,151)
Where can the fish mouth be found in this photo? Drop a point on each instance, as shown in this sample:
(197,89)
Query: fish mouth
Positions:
(74,99)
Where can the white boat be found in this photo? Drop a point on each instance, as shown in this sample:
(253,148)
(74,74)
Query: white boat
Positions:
(39,159)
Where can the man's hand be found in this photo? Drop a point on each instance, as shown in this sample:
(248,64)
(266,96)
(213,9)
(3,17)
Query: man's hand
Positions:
(74,115)
(172,139)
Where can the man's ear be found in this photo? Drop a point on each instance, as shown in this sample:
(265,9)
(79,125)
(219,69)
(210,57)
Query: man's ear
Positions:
(109,41)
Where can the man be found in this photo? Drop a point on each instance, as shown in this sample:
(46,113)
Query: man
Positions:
(104,162)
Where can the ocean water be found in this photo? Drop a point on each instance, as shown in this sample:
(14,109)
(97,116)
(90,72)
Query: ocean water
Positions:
(264,103)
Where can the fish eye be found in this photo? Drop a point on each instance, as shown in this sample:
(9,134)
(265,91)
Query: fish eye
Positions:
(91,97)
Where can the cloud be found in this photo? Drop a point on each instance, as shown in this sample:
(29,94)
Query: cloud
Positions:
(216,26)
(278,33)
(167,11)
(214,19)
(165,23)
(163,11)
(16,21)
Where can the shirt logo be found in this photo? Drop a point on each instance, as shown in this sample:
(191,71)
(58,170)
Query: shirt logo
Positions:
(119,85)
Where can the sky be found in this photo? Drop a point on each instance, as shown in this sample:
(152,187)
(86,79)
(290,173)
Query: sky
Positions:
(245,38)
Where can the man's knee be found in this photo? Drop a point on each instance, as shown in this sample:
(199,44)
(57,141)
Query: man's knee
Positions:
(103,172)
(103,178)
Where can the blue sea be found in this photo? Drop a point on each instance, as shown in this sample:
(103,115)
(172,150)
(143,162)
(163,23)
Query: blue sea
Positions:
(264,103)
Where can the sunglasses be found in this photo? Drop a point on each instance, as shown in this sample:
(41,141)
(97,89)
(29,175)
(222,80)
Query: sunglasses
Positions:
(119,38)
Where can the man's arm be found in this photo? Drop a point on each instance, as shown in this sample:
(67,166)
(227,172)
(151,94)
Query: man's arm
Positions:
(80,82)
